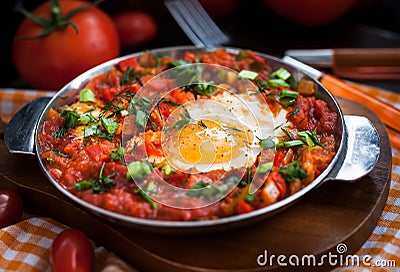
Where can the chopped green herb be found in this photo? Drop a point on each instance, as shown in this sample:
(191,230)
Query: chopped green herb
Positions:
(101,185)
(71,118)
(61,154)
(287,144)
(295,111)
(127,76)
(292,171)
(86,95)
(173,64)
(110,125)
(61,132)
(93,130)
(141,119)
(202,124)
(118,155)
(205,88)
(168,169)
(207,190)
(170,102)
(138,170)
(248,74)
(250,197)
(148,199)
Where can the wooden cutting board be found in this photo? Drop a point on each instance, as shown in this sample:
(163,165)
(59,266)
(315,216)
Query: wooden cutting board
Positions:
(334,213)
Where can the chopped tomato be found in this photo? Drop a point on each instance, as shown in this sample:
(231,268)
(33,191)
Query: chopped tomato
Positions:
(153,143)
(279,182)
(128,63)
(243,207)
(279,156)
(189,56)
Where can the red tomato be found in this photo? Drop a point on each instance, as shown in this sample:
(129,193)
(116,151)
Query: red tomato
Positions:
(71,251)
(53,60)
(310,12)
(135,28)
(11,208)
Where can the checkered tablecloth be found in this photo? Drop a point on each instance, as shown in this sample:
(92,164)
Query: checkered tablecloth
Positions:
(25,245)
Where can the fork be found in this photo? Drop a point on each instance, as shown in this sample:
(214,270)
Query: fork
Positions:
(196,23)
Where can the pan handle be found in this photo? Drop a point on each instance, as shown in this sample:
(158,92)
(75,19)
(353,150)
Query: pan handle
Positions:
(363,148)
(19,135)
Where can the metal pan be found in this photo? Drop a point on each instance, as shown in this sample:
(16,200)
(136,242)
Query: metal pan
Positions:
(358,151)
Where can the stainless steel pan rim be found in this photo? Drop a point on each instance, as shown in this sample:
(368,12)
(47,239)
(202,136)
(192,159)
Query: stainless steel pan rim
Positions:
(332,170)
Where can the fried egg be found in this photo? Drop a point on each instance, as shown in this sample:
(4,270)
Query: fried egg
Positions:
(222,132)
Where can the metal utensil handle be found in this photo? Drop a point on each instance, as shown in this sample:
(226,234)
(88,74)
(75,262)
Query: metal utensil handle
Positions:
(19,135)
(363,148)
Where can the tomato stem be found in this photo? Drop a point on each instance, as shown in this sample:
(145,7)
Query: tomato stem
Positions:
(56,22)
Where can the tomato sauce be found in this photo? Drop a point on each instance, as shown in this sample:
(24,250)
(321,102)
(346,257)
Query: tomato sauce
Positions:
(80,144)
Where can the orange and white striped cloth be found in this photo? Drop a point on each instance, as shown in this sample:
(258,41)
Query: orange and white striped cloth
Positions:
(24,246)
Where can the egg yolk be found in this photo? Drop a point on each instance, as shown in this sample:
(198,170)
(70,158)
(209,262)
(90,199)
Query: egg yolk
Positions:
(208,142)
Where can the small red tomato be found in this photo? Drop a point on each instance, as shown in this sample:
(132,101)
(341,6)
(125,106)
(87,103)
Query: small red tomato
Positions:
(135,28)
(11,208)
(71,251)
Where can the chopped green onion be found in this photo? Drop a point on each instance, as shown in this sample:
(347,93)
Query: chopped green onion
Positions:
(295,111)
(276,82)
(86,95)
(194,191)
(83,185)
(310,138)
(86,119)
(290,136)
(173,64)
(264,168)
(281,73)
(168,169)
(138,170)
(170,102)
(148,199)
(110,125)
(306,138)
(248,74)
(289,94)
(250,197)
(267,143)
(151,187)
(127,76)
(291,143)
(141,119)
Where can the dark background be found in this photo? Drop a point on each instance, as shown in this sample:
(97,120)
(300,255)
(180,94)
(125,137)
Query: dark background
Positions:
(252,25)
